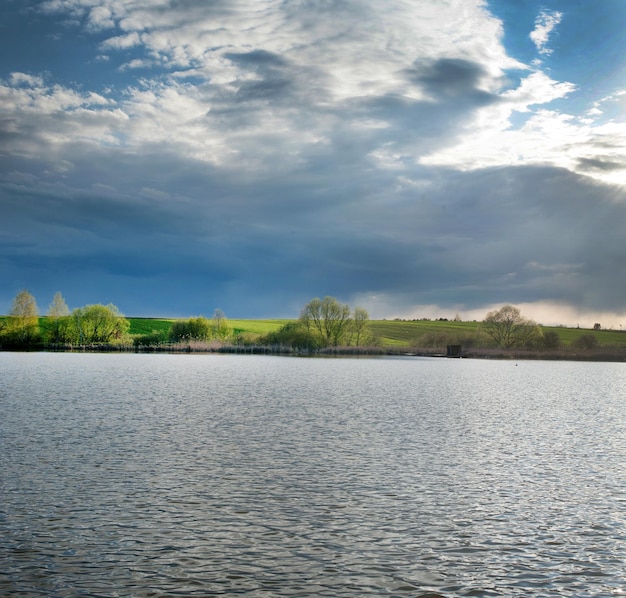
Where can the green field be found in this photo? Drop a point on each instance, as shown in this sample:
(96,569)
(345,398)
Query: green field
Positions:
(256,326)
(392,333)
(148,325)
(401,333)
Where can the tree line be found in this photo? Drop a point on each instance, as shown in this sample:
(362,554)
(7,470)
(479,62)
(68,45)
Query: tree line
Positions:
(88,325)
(322,323)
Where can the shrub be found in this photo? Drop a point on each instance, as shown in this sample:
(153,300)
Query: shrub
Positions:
(586,342)
(98,324)
(192,329)
(156,337)
(294,335)
(246,339)
(551,339)
(440,340)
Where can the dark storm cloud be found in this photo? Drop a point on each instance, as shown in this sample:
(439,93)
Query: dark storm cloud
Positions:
(449,78)
(199,238)
(601,164)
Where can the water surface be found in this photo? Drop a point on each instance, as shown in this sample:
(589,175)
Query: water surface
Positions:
(154,475)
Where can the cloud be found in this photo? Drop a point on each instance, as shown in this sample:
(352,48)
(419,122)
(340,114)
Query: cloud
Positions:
(545,24)
(449,78)
(277,151)
(122,42)
(537,89)
(25,80)
(214,237)
(100,18)
(586,144)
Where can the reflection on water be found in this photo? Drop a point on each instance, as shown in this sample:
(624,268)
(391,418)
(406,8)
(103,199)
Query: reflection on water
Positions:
(151,475)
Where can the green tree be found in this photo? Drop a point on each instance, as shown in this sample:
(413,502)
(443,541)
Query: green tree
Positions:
(220,326)
(22,325)
(360,328)
(328,318)
(98,324)
(60,330)
(508,328)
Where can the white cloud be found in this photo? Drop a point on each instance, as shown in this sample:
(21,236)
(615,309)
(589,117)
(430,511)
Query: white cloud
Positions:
(584,144)
(122,42)
(362,46)
(284,76)
(53,115)
(536,89)
(100,18)
(25,80)
(545,23)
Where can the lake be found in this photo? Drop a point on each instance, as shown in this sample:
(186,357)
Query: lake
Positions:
(164,475)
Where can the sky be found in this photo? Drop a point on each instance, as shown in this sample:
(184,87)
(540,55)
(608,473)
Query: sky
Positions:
(427,158)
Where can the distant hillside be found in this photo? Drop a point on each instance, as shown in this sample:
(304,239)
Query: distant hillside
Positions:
(403,333)
(395,333)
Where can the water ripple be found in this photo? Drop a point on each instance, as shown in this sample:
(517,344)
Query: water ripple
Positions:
(155,475)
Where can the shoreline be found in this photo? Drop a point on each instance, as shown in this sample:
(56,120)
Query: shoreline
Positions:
(615,355)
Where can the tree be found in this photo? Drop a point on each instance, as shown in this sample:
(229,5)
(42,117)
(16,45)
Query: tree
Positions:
(58,313)
(328,318)
(221,329)
(22,325)
(508,328)
(58,308)
(98,324)
(360,327)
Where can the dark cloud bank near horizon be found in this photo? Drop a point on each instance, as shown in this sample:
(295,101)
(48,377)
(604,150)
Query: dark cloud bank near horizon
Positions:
(465,237)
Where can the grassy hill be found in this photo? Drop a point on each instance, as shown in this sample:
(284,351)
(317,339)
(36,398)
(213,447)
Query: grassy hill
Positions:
(150,325)
(392,333)
(407,333)
(404,333)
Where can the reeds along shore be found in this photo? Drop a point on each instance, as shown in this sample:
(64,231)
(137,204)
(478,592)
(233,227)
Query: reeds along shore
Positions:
(610,354)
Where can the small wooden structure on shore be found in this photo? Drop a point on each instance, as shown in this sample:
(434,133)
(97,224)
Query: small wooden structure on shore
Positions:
(453,351)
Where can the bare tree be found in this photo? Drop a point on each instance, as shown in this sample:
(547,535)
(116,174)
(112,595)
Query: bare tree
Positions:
(508,328)
(360,326)
(221,327)
(328,318)
(23,320)
(58,308)
(58,313)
